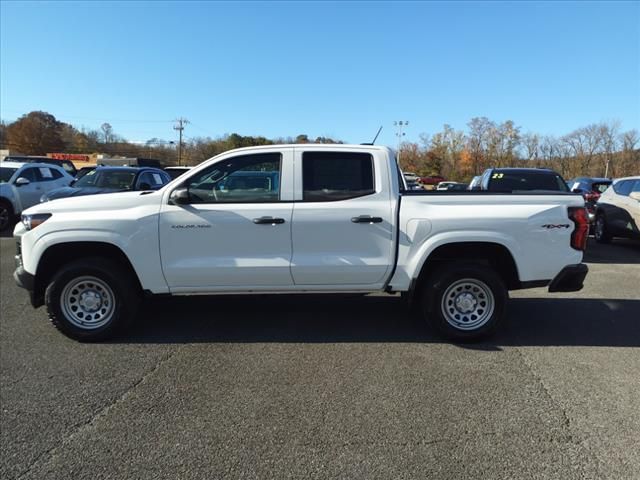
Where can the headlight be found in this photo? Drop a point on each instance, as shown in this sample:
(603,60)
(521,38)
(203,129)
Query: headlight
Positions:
(32,221)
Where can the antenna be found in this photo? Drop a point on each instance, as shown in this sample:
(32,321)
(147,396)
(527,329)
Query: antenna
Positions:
(374,138)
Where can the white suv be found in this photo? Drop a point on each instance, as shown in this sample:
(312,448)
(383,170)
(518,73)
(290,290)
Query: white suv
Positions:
(22,185)
(618,210)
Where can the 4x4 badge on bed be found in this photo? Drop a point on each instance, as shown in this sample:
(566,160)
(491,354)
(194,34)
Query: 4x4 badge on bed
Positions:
(550,226)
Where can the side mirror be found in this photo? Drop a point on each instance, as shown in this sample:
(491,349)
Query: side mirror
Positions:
(180,196)
(577,190)
(22,181)
(635,196)
(145,186)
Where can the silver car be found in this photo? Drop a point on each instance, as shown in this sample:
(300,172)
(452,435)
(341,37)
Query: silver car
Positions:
(22,185)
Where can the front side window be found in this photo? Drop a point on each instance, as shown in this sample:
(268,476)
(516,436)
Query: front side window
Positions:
(331,176)
(29,174)
(245,179)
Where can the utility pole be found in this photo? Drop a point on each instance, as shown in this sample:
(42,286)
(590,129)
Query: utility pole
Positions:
(399,133)
(180,123)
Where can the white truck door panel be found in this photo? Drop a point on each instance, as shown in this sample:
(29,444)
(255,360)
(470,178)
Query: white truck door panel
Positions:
(237,230)
(348,239)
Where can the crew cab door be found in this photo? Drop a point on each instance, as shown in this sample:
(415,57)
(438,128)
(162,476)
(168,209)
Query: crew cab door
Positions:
(342,220)
(234,230)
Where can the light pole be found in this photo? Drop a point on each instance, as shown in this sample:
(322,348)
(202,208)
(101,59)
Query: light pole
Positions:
(399,133)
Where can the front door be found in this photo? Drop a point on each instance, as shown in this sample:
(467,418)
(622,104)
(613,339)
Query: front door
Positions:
(235,231)
(30,193)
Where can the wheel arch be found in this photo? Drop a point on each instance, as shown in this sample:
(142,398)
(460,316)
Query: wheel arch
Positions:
(57,255)
(495,255)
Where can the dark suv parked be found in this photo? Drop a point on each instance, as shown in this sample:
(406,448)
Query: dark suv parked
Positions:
(507,180)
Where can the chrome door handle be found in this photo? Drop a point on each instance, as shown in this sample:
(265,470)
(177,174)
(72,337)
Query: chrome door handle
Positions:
(366,219)
(268,221)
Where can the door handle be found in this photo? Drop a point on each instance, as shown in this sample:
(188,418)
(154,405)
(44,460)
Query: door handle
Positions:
(366,219)
(268,221)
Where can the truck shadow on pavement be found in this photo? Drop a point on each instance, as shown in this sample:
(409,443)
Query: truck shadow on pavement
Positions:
(620,250)
(321,319)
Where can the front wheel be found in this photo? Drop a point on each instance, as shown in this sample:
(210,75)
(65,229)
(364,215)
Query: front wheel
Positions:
(91,299)
(6,215)
(465,301)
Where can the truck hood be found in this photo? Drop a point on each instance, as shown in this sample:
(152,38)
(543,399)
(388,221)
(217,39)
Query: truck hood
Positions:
(97,203)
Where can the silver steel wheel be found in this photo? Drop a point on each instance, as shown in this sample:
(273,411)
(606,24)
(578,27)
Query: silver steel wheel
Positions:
(88,302)
(467,304)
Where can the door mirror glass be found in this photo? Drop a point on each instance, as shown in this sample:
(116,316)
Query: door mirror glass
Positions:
(145,186)
(577,190)
(22,181)
(180,196)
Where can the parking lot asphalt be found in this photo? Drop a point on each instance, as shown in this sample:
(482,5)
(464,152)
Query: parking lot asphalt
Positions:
(329,387)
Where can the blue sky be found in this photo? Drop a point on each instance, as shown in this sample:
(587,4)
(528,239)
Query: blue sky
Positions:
(320,68)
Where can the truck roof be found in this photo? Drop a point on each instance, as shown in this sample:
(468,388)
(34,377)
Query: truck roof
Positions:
(316,146)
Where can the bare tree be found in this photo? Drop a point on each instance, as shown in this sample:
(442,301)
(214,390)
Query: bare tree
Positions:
(532,147)
(609,135)
(107,132)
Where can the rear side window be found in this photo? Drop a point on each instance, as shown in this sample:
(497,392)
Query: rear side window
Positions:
(332,176)
(506,181)
(623,187)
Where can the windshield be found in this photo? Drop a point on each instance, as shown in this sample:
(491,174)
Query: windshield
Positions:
(113,179)
(6,173)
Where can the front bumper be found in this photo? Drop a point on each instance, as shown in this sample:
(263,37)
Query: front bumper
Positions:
(570,278)
(23,278)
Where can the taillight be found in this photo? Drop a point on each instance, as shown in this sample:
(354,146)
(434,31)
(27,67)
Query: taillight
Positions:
(581,230)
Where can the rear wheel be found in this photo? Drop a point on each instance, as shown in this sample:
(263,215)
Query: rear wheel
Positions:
(92,299)
(6,215)
(602,232)
(465,301)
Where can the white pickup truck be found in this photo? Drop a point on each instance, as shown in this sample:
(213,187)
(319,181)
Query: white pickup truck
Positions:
(298,218)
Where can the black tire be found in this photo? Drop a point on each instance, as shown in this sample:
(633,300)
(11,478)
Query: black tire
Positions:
(116,306)
(464,302)
(602,233)
(6,215)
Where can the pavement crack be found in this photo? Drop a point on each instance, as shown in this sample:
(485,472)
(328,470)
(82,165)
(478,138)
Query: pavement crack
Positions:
(51,453)
(567,424)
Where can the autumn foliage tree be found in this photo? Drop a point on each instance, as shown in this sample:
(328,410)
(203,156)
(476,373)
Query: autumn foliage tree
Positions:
(35,134)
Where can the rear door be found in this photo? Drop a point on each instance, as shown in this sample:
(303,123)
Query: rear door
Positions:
(231,235)
(342,220)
